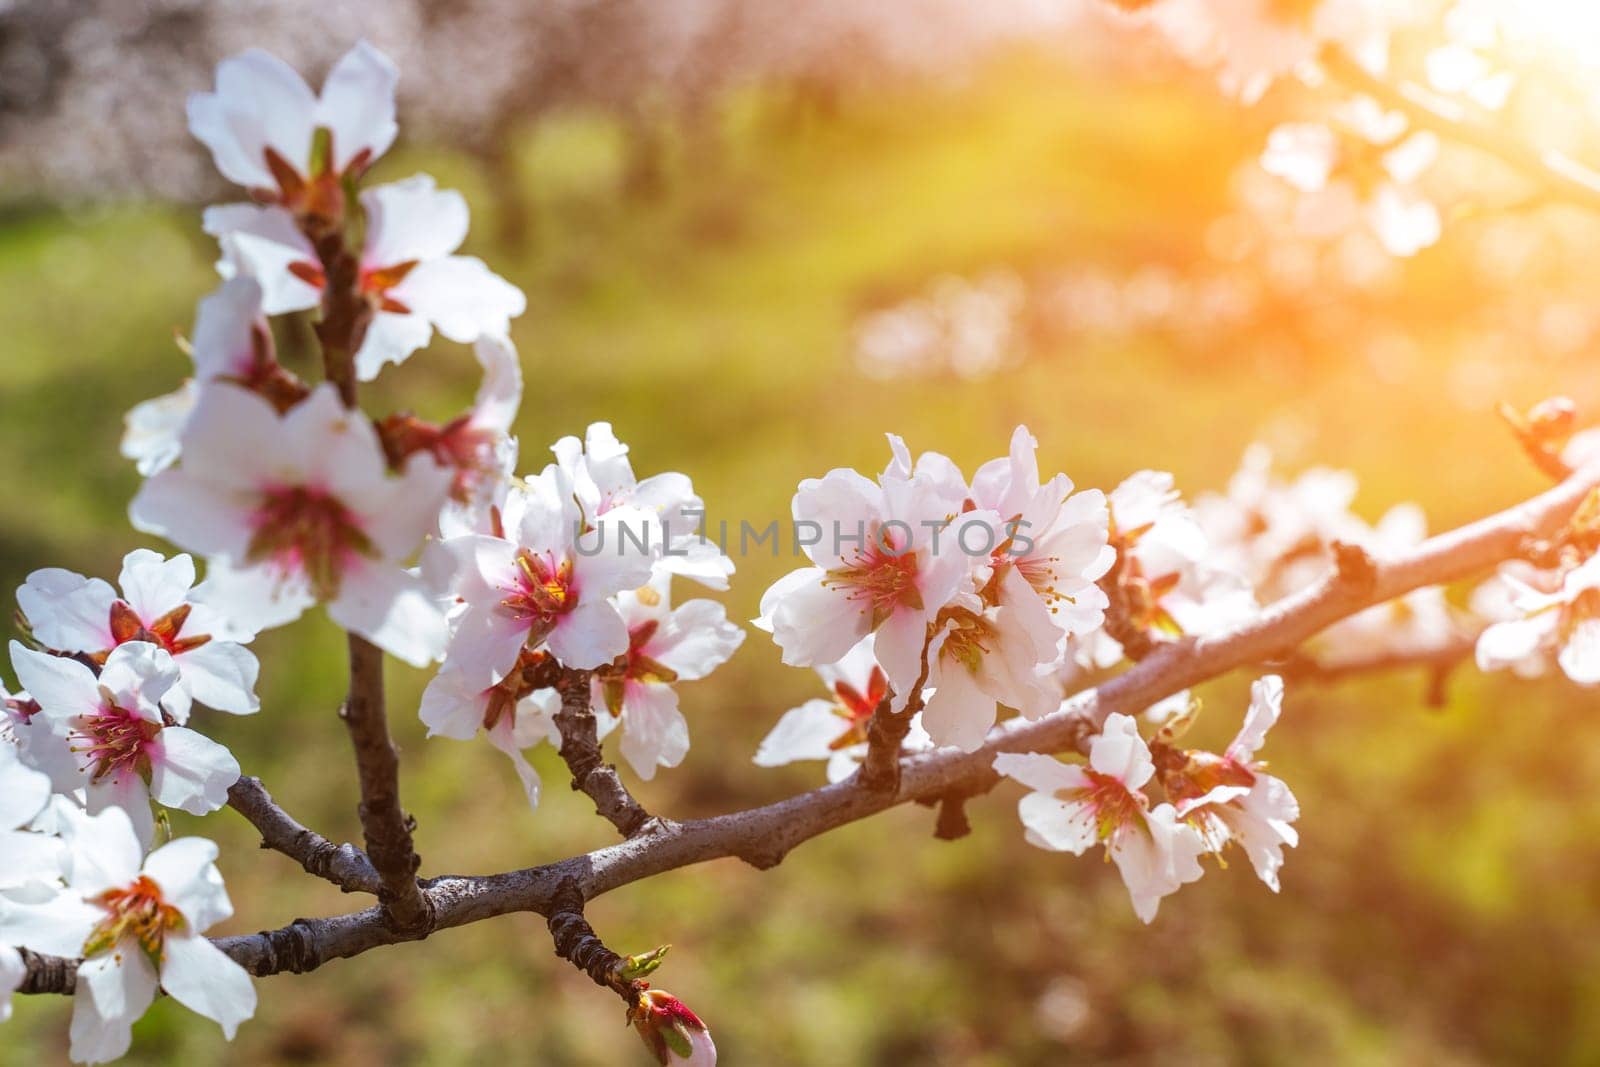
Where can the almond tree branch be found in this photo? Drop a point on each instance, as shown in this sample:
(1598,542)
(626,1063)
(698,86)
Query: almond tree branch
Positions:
(580,749)
(1554,172)
(346,314)
(344,865)
(385,826)
(886,730)
(763,836)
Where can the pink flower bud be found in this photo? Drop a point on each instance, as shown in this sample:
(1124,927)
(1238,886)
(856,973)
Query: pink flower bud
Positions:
(673,1033)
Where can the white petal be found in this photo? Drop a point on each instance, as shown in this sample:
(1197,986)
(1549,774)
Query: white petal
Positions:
(357,105)
(222,675)
(186,871)
(803,733)
(391,608)
(452,707)
(68,612)
(63,688)
(58,926)
(12,972)
(1120,752)
(391,338)
(1580,656)
(259,102)
(697,639)
(411,221)
(654,731)
(114,991)
(503,737)
(1040,772)
(201,977)
(590,635)
(154,585)
(191,772)
(24,791)
(104,850)
(1057,825)
(462,297)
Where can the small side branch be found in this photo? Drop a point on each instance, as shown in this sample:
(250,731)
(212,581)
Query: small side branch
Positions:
(887,730)
(385,826)
(344,865)
(580,749)
(578,944)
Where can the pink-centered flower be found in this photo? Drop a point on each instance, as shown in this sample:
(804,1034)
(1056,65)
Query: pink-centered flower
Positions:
(666,645)
(263,124)
(409,271)
(1056,548)
(299,508)
(138,924)
(876,568)
(543,580)
(1231,797)
(70,613)
(124,752)
(1073,807)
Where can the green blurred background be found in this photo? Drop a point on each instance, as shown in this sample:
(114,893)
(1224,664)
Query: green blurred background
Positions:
(1444,904)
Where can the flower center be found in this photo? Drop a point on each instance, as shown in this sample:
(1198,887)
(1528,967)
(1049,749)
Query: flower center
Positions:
(529,674)
(127,626)
(856,708)
(136,911)
(970,638)
(882,577)
(377,281)
(114,741)
(306,531)
(1113,805)
(544,592)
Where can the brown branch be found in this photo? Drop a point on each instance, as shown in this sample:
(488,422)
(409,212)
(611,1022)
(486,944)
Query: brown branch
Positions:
(591,774)
(346,313)
(385,826)
(1560,175)
(762,836)
(887,730)
(578,944)
(344,865)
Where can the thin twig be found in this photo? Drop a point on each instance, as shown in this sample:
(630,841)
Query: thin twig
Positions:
(578,944)
(887,730)
(762,836)
(385,826)
(591,774)
(344,865)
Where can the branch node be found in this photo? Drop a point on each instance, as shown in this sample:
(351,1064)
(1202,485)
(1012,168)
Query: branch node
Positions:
(1356,569)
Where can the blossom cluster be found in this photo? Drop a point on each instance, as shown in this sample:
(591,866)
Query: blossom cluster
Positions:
(415,536)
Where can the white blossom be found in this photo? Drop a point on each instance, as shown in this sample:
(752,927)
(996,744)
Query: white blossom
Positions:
(299,508)
(124,752)
(137,921)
